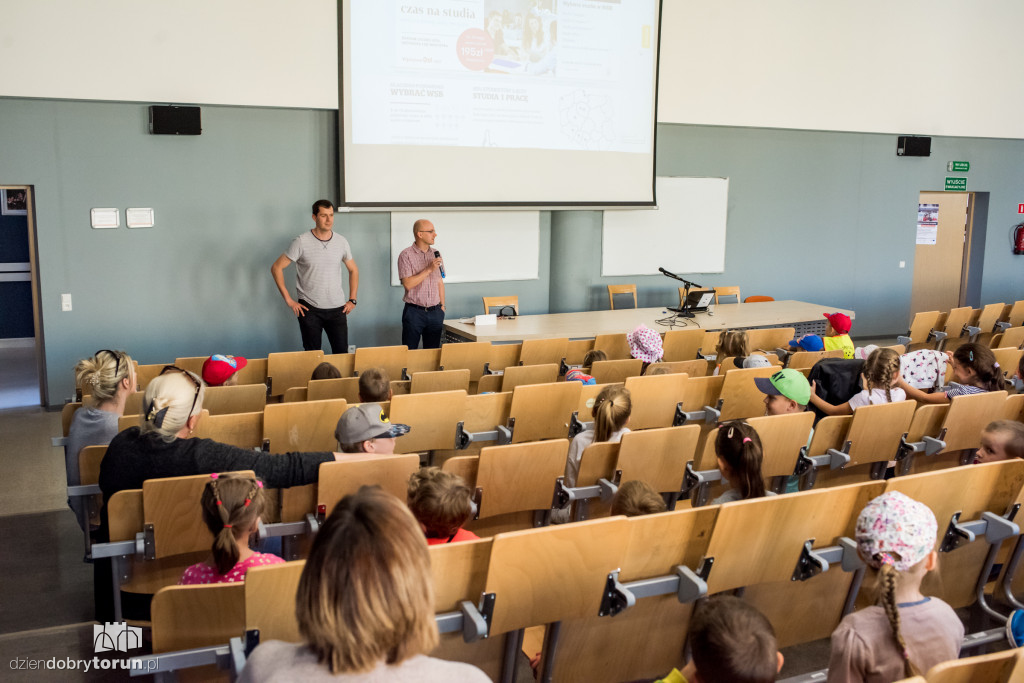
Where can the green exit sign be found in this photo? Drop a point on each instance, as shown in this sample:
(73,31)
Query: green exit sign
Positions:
(958,166)
(956,184)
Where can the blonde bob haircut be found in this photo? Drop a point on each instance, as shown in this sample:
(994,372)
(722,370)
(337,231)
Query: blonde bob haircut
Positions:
(170,400)
(366,594)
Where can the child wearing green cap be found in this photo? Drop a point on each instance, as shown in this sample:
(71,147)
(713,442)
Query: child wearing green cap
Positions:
(787,391)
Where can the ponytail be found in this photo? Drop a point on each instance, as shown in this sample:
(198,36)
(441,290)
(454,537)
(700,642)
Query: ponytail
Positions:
(888,578)
(231,504)
(611,411)
(739,446)
(981,359)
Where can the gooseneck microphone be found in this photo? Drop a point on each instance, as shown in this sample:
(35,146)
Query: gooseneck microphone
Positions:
(437,254)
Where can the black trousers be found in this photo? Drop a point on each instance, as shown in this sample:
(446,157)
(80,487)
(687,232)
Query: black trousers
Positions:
(316,321)
(418,322)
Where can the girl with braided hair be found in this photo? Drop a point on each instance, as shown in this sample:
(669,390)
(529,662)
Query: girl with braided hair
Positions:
(880,380)
(232,506)
(740,454)
(905,633)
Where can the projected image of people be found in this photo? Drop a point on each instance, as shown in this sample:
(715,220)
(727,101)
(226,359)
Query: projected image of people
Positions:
(525,36)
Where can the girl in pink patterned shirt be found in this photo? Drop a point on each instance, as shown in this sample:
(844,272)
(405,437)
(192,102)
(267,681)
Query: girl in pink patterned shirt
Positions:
(231,509)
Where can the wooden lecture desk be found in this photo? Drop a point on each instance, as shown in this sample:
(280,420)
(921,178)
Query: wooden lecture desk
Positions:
(807,318)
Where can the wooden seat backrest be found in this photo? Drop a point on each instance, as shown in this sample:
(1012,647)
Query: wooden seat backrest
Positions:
(620,289)
(433,418)
(128,420)
(186,617)
(759,540)
(343,387)
(658,456)
(542,351)
(1008,359)
(89,460)
(543,411)
(440,380)
(729,363)
(694,368)
(133,403)
(597,461)
(470,356)
(295,395)
(554,573)
(922,324)
(990,314)
(392,358)
(727,291)
(770,338)
(489,384)
(67,413)
(291,369)
(270,600)
(1012,338)
(254,372)
(486,411)
(682,344)
(345,362)
(807,359)
(576,350)
(519,477)
(172,505)
(517,375)
(465,466)
(422,360)
(616,371)
(702,391)
(654,399)
(240,398)
(500,301)
(244,430)
(192,363)
(830,432)
(588,396)
(648,637)
(997,667)
(305,426)
(782,437)
(144,374)
(615,346)
(927,421)
(1016,315)
(1013,409)
(876,430)
(968,415)
(956,319)
(740,396)
(339,478)
(505,355)
(709,342)
(124,512)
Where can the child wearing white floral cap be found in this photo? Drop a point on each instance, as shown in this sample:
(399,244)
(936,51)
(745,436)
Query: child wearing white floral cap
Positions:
(645,344)
(905,633)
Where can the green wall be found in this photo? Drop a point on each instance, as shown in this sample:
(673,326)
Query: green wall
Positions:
(816,216)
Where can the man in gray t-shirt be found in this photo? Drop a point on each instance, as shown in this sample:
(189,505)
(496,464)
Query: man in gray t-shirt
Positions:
(321,305)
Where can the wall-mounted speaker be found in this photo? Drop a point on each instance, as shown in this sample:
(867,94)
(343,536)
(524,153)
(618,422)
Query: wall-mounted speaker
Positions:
(174,121)
(913,146)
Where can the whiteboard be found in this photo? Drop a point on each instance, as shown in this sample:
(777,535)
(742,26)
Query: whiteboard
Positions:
(685,234)
(477,246)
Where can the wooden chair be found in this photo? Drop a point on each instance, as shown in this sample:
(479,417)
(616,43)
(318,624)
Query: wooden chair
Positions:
(472,356)
(1008,359)
(529,374)
(649,637)
(727,291)
(254,372)
(291,369)
(958,426)
(740,398)
(1013,409)
(921,327)
(192,363)
(616,371)
(244,430)
(682,345)
(432,418)
(757,298)
(482,413)
(344,387)
(133,402)
(240,398)
(620,289)
(500,302)
(465,466)
(770,338)
(729,364)
(270,600)
(345,362)
(506,355)
(654,399)
(542,351)
(517,478)
(998,667)
(188,617)
(1012,338)
(339,478)
(393,359)
(422,360)
(615,346)
(295,395)
(543,411)
(489,384)
(782,437)
(984,328)
(807,359)
(309,426)
(440,380)
(956,326)
(657,456)
(694,368)
(144,374)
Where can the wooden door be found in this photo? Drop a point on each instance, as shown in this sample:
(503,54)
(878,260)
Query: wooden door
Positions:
(939,267)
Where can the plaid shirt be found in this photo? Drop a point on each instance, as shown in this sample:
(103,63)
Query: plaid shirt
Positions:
(412,261)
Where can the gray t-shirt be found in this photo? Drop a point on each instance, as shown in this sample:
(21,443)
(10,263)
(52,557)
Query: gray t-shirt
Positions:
(318,267)
(278,662)
(89,427)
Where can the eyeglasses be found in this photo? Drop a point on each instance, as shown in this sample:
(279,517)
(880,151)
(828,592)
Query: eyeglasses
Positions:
(117,359)
(191,378)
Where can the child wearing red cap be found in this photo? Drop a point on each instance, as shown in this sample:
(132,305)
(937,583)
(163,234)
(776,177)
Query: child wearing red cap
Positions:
(837,334)
(221,370)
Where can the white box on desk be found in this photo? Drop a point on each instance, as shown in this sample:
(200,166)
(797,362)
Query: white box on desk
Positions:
(489,319)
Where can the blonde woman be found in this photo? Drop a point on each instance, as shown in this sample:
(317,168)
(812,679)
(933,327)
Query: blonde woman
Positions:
(365,604)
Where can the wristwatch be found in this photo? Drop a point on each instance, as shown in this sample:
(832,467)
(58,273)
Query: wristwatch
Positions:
(353,302)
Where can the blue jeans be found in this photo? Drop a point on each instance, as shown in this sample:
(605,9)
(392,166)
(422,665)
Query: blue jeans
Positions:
(418,321)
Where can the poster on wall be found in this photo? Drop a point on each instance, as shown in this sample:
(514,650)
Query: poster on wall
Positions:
(927,223)
(14,202)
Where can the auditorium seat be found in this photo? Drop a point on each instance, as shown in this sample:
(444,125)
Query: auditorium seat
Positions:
(500,302)
(620,289)
(727,292)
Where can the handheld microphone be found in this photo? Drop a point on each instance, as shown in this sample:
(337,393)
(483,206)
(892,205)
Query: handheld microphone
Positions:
(437,254)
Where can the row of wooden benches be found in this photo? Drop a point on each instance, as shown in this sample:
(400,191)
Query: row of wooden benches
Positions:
(997,325)
(614,585)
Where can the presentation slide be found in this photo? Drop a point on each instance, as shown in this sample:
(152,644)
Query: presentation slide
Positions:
(489,90)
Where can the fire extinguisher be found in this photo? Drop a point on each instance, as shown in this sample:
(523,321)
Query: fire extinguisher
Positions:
(1018,238)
